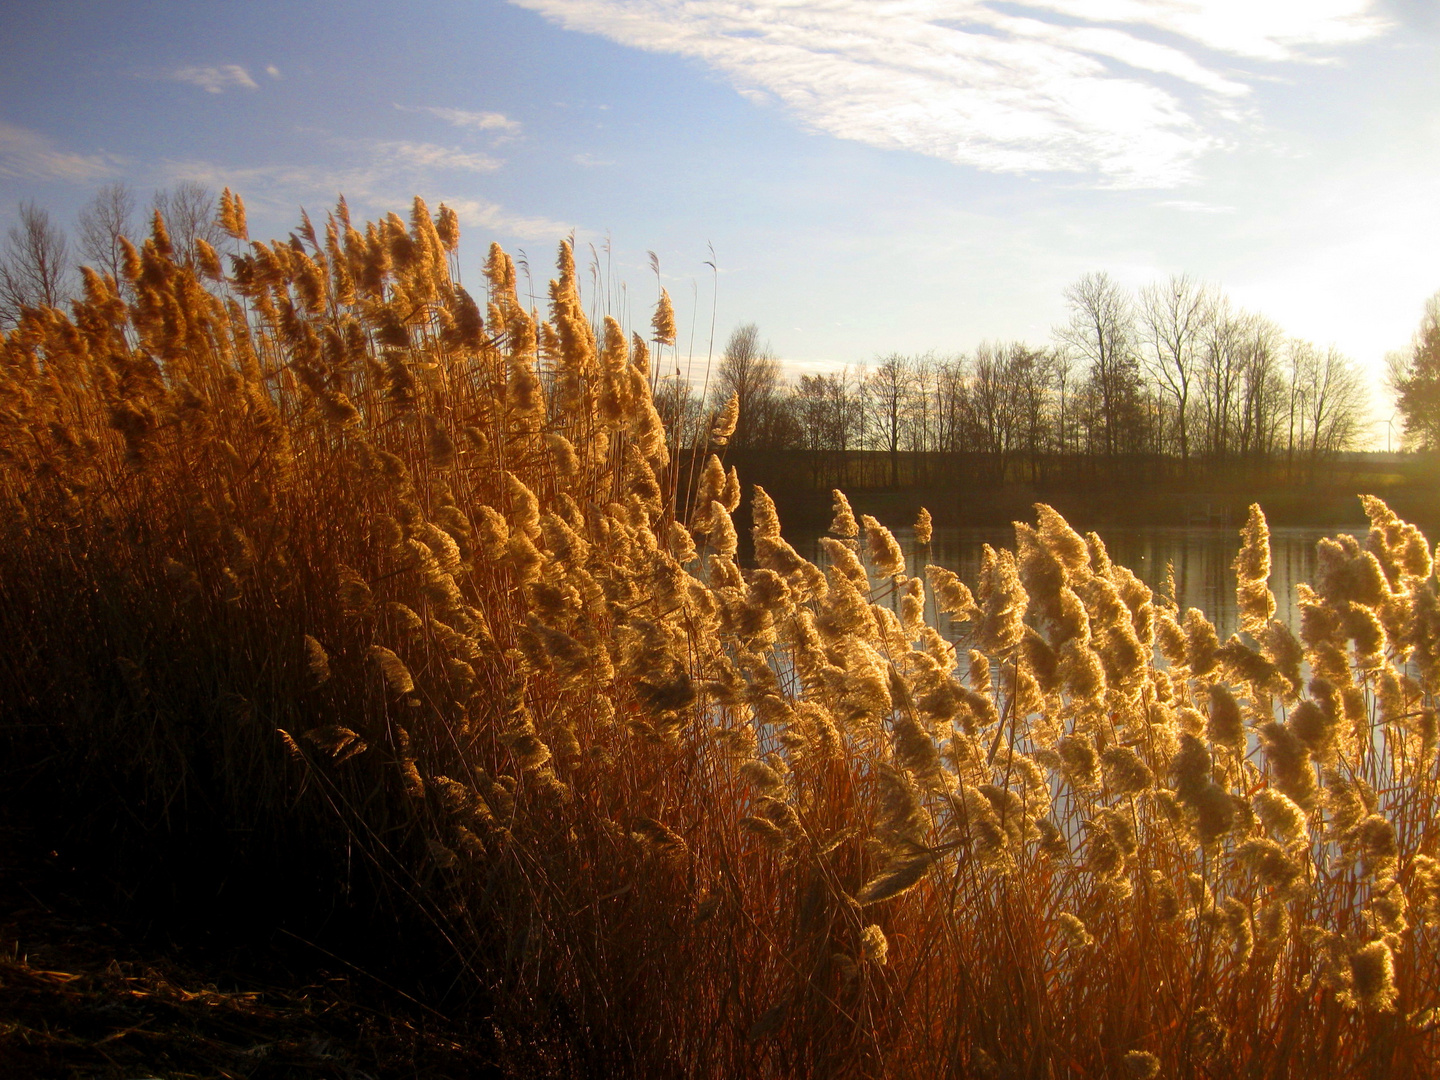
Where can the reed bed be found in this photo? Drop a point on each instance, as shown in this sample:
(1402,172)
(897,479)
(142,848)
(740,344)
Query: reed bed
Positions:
(325,583)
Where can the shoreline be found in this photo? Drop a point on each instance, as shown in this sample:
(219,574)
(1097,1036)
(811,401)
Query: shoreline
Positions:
(1134,493)
(1125,505)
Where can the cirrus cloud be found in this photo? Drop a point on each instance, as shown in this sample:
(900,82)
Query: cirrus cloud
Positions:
(1126,92)
(215,78)
(428,156)
(26,154)
(468,118)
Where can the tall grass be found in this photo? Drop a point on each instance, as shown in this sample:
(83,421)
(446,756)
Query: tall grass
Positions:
(324,582)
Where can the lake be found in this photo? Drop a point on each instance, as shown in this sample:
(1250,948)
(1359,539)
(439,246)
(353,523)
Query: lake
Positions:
(1202,558)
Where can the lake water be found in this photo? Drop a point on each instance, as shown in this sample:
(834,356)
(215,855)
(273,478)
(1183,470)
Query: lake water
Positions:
(1202,558)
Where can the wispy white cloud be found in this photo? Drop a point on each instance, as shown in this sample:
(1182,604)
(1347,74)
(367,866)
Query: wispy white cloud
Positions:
(483,214)
(468,119)
(273,71)
(1129,92)
(1260,29)
(215,78)
(379,172)
(380,177)
(26,154)
(420,155)
(590,161)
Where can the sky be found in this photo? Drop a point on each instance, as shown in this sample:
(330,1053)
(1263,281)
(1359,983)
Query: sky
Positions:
(867,177)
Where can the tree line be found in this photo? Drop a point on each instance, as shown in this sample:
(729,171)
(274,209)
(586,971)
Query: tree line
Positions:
(1173,382)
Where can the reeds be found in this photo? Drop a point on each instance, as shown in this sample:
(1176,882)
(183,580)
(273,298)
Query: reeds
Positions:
(322,555)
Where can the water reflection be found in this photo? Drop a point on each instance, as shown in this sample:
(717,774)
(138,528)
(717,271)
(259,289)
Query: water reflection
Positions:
(1201,557)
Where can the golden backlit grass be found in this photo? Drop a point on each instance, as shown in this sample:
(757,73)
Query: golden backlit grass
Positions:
(326,555)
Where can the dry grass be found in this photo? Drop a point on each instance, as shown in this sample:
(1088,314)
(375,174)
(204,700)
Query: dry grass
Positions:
(323,569)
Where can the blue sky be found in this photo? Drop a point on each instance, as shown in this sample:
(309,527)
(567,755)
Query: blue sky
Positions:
(874,175)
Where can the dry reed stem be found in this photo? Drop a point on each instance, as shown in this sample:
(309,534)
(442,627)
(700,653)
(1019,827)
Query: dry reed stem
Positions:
(729,820)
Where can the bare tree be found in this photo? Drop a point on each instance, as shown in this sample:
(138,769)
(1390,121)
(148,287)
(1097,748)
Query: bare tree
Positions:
(921,432)
(103,221)
(889,385)
(952,408)
(1062,367)
(680,409)
(1329,401)
(823,409)
(925,411)
(1261,387)
(1222,361)
(994,407)
(1173,321)
(846,409)
(812,409)
(34,265)
(1031,374)
(1241,384)
(750,371)
(189,212)
(1101,331)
